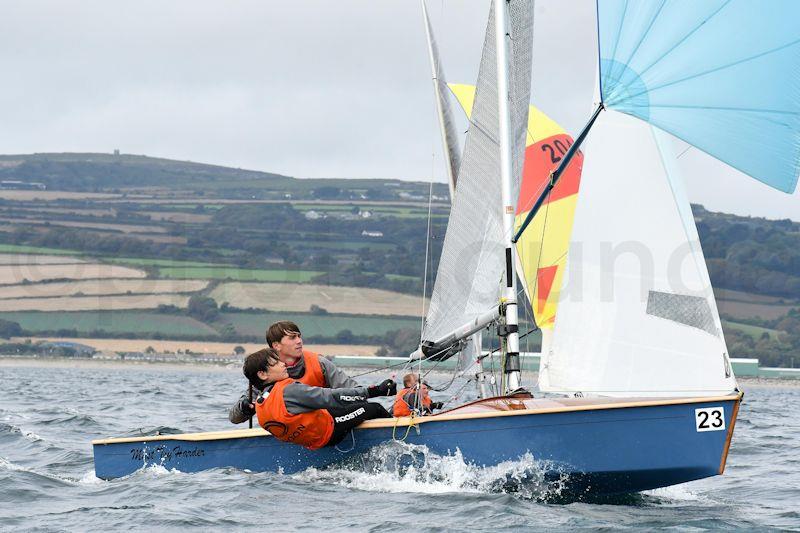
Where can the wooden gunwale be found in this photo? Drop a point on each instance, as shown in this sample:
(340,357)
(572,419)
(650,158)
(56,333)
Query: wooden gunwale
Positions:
(443,417)
(730,434)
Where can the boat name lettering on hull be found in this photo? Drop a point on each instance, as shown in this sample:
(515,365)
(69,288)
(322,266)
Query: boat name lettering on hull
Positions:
(164,454)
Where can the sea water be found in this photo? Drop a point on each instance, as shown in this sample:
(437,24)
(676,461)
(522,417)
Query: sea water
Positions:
(49,413)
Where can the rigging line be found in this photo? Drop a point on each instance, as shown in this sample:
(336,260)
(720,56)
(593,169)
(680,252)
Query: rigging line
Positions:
(456,374)
(402,363)
(682,40)
(442,388)
(491,369)
(619,30)
(459,391)
(718,108)
(710,71)
(439,388)
(529,313)
(544,184)
(665,153)
(645,34)
(484,356)
(681,154)
(554,176)
(427,250)
(539,259)
(541,188)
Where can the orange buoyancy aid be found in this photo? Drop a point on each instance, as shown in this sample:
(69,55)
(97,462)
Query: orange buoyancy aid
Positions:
(312,430)
(313,376)
(401,407)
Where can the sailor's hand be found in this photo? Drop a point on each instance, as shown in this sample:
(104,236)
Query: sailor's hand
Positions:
(246,408)
(385,388)
(436,405)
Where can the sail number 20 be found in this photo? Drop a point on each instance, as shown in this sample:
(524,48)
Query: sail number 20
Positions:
(710,419)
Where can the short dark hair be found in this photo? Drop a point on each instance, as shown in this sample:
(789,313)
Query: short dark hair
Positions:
(256,362)
(277,331)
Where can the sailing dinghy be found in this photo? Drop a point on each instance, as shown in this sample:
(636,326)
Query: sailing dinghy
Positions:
(639,391)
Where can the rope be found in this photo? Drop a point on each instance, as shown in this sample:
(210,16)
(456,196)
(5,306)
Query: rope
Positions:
(427,252)
(411,424)
(379,369)
(533,330)
(455,396)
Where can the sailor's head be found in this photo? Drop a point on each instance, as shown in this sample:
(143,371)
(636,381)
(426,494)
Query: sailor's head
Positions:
(410,380)
(285,338)
(264,367)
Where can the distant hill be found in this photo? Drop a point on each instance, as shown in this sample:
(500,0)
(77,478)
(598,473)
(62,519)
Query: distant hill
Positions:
(752,254)
(82,172)
(95,172)
(191,221)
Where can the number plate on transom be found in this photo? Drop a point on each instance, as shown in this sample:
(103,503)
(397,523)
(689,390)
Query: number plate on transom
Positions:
(710,419)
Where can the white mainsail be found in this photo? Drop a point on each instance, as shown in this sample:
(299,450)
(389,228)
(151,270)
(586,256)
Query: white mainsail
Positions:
(637,315)
(472,263)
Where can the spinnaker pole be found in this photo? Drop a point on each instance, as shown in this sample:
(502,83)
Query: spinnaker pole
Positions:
(509,293)
(556,174)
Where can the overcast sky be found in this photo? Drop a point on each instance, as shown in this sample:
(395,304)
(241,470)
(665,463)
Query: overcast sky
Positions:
(303,88)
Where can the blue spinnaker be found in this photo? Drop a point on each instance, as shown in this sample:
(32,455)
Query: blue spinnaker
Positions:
(723,75)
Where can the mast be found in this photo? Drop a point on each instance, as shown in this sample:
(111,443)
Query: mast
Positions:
(509,294)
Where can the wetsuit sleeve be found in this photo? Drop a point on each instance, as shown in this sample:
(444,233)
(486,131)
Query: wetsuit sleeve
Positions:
(300,398)
(235,414)
(334,377)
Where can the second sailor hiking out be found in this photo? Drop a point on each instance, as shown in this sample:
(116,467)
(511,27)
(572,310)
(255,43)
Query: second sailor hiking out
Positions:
(310,416)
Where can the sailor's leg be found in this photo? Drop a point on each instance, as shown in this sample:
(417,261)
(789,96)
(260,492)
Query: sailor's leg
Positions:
(347,418)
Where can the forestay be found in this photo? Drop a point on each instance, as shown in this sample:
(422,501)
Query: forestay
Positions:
(472,260)
(637,315)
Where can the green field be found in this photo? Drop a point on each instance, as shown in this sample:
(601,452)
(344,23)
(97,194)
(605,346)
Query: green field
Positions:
(339,246)
(136,261)
(397,212)
(316,325)
(238,274)
(753,331)
(15,249)
(114,322)
(400,277)
(143,261)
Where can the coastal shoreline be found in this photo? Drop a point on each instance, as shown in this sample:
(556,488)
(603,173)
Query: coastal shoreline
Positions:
(15,361)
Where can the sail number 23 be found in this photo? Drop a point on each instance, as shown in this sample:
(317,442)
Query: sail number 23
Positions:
(710,419)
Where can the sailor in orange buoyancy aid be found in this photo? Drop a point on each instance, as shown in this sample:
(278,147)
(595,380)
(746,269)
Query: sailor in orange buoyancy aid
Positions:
(303,365)
(407,399)
(310,416)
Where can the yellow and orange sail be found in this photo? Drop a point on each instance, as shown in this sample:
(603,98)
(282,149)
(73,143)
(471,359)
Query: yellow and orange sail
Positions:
(542,249)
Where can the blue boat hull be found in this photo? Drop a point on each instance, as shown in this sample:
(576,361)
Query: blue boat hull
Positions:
(595,450)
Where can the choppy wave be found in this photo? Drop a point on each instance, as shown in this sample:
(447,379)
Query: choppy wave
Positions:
(410,468)
(47,481)
(12,429)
